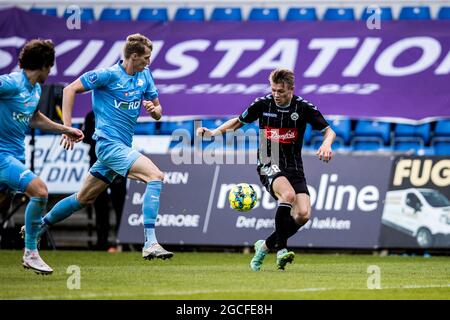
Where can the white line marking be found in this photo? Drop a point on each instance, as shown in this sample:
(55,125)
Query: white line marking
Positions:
(194,292)
(211,198)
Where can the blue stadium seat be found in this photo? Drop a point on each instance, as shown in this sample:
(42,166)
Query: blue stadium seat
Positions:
(441,138)
(301,14)
(441,147)
(87,14)
(412,145)
(169,126)
(339,14)
(226,14)
(115,14)
(190,14)
(251,126)
(373,129)
(145,128)
(213,123)
(412,132)
(385,14)
(442,128)
(153,14)
(444,13)
(45,11)
(366,144)
(307,135)
(342,128)
(415,13)
(264,14)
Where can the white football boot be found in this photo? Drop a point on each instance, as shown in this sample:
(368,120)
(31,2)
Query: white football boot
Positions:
(156,251)
(32,260)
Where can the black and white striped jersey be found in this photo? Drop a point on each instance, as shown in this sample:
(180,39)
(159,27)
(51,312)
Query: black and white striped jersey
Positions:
(282,130)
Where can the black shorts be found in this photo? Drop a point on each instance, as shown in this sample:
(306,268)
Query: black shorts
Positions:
(296,179)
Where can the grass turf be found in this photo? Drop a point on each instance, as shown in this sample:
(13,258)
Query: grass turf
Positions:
(222,276)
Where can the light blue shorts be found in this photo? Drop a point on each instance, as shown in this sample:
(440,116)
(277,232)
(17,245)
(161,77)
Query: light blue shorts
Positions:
(113,158)
(14,175)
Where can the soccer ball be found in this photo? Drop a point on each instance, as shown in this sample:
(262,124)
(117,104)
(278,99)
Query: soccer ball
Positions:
(242,197)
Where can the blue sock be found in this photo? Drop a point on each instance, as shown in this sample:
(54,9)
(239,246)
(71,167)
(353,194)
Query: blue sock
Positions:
(62,210)
(150,209)
(33,214)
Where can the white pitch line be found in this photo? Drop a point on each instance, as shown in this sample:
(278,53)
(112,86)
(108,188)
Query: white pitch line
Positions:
(211,198)
(194,292)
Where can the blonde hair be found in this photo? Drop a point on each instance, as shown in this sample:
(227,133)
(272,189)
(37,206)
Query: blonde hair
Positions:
(282,76)
(136,43)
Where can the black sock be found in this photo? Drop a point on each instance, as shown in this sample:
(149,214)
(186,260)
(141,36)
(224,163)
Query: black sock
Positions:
(293,227)
(271,241)
(282,218)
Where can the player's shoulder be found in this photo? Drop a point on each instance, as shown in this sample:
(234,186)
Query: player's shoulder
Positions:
(147,74)
(12,80)
(305,103)
(263,100)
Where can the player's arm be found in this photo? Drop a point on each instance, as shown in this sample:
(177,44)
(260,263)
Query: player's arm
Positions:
(40,121)
(248,116)
(232,124)
(318,122)
(69,100)
(67,108)
(324,152)
(153,107)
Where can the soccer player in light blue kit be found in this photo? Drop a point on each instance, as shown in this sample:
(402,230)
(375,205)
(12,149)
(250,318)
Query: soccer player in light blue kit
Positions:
(19,96)
(118,93)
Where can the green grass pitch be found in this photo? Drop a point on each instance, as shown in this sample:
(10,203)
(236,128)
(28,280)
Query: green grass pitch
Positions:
(222,276)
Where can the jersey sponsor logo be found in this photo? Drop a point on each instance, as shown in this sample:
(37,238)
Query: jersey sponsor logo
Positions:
(281,135)
(22,117)
(93,77)
(127,105)
(295,116)
(268,114)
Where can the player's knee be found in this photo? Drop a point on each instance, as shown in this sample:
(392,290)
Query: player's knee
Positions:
(287,197)
(302,216)
(85,200)
(40,190)
(157,175)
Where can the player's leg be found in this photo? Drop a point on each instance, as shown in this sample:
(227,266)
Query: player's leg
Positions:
(285,193)
(19,178)
(91,188)
(101,206)
(143,169)
(37,192)
(301,213)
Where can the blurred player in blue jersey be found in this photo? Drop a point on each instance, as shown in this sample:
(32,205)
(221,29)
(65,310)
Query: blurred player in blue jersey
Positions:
(117,95)
(19,96)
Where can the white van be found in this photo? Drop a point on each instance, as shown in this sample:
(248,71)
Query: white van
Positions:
(421,213)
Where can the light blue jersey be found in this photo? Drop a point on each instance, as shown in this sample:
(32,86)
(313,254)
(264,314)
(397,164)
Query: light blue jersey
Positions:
(117,99)
(18,103)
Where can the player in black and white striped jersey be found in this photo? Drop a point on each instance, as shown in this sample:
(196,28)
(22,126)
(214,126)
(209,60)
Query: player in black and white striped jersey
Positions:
(282,117)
